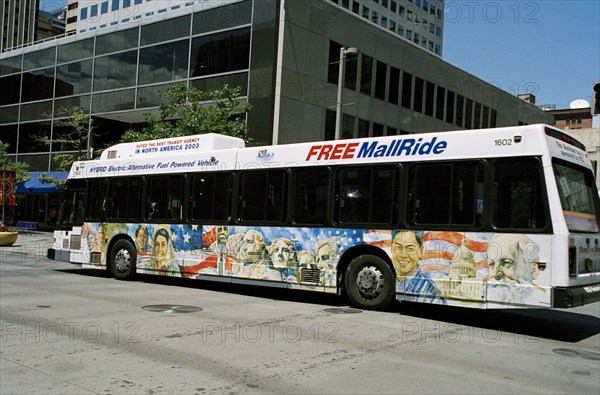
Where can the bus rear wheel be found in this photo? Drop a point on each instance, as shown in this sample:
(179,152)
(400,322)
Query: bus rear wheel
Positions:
(122,260)
(369,282)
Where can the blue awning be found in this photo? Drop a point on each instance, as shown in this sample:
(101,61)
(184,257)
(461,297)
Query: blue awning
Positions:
(34,185)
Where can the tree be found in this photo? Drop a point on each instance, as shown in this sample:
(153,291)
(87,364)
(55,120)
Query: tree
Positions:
(7,163)
(75,130)
(192,111)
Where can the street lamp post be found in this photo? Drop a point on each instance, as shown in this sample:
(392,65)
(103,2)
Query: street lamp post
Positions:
(341,71)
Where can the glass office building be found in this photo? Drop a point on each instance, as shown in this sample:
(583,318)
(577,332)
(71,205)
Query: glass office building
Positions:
(283,55)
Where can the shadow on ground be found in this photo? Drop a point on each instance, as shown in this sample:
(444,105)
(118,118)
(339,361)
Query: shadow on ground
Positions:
(566,326)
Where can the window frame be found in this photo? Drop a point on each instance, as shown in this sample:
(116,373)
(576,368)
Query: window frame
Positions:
(547,228)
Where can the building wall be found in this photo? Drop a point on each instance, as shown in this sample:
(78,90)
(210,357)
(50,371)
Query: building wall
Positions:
(18,23)
(419,21)
(284,71)
(308,91)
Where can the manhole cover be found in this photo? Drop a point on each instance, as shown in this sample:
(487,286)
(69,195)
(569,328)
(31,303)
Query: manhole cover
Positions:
(343,311)
(570,352)
(171,308)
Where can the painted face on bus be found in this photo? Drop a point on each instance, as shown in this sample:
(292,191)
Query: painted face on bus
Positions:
(282,253)
(503,269)
(161,248)
(141,238)
(512,259)
(222,233)
(406,251)
(253,245)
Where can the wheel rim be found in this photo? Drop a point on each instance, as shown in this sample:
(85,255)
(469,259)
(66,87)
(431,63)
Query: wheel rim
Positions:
(370,282)
(122,261)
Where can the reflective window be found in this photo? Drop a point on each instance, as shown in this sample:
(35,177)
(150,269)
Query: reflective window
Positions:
(10,65)
(518,194)
(220,52)
(9,115)
(444,194)
(11,88)
(124,198)
(150,96)
(8,134)
(115,71)
(450,107)
(26,133)
(209,199)
(380,80)
(311,195)
(36,111)
(366,74)
(406,89)
(97,199)
(222,17)
(439,106)
(469,114)
(460,111)
(365,194)
(333,64)
(113,101)
(117,41)
(165,198)
(74,78)
(429,93)
(166,30)
(394,85)
(262,196)
(418,103)
(37,59)
(164,62)
(351,71)
(81,49)
(38,85)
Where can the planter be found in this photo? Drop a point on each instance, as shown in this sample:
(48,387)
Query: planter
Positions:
(8,238)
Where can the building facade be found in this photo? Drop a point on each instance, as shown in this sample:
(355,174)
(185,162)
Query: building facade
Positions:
(419,21)
(282,53)
(18,19)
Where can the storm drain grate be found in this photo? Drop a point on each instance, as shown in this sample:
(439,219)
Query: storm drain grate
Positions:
(571,352)
(171,308)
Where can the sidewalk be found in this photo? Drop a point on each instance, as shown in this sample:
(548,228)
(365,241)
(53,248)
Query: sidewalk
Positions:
(33,245)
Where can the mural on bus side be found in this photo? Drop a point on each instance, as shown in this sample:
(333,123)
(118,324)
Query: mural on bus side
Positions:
(432,267)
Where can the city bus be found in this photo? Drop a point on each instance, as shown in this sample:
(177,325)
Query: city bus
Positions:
(489,218)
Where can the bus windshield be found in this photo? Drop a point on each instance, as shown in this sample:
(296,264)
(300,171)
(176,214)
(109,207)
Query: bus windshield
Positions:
(575,188)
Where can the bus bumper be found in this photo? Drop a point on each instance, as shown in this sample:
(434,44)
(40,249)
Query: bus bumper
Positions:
(58,255)
(576,296)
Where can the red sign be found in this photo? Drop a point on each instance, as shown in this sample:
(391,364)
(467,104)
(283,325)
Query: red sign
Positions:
(8,193)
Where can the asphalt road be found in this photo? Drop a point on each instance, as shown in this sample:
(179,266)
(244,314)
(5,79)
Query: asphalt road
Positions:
(68,330)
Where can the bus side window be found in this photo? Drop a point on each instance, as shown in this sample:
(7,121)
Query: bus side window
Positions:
(165,198)
(97,199)
(311,195)
(518,191)
(446,194)
(262,196)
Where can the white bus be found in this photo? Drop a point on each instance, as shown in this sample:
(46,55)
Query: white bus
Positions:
(492,218)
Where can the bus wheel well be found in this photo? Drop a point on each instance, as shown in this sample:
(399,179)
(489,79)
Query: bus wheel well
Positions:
(112,243)
(354,252)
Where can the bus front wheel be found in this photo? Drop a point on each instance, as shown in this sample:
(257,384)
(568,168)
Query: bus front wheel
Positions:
(122,260)
(369,282)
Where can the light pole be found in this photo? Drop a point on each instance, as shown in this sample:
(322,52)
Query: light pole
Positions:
(341,72)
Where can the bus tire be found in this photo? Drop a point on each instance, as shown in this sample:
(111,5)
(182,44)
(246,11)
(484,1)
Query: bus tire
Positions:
(370,283)
(122,260)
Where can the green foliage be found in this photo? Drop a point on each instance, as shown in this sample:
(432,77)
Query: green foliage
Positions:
(192,111)
(7,163)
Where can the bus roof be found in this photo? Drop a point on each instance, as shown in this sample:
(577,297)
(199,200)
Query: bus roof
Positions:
(216,152)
